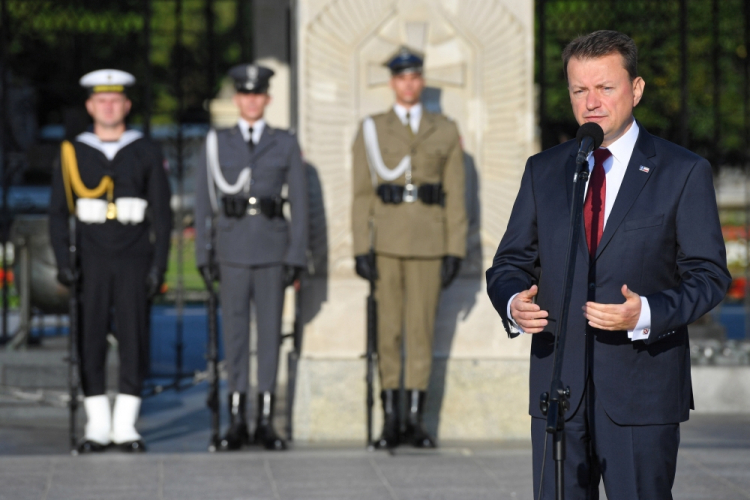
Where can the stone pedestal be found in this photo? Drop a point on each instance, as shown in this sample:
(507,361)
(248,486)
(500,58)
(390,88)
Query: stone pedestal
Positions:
(479,71)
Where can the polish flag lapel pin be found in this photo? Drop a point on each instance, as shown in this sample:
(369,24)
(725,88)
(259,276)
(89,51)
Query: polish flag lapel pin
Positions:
(644,169)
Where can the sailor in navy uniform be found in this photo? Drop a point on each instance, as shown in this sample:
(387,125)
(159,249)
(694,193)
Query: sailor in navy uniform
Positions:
(123,243)
(240,184)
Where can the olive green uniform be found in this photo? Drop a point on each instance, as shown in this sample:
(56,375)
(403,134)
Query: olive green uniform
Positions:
(410,239)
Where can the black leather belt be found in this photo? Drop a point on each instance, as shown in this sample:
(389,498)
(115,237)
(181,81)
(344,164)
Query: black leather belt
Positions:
(429,194)
(239,206)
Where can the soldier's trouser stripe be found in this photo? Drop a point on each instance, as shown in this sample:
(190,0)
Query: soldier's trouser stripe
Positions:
(118,282)
(264,286)
(408,292)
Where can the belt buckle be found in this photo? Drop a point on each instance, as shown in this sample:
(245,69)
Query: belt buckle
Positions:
(410,193)
(253,207)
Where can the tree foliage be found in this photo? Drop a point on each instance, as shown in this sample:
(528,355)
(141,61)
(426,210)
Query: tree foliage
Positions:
(655,27)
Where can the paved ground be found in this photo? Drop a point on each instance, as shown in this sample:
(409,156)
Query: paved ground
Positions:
(714,463)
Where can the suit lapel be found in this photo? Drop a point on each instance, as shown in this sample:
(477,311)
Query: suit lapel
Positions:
(267,140)
(631,186)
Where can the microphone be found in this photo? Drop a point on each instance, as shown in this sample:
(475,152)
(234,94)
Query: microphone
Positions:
(590,136)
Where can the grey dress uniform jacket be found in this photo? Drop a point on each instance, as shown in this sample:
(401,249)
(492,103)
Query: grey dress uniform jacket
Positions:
(256,240)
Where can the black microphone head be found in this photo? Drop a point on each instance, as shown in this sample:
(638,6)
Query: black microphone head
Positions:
(593,130)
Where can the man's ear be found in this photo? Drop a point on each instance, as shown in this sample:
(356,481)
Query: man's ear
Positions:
(90,106)
(128,106)
(638,85)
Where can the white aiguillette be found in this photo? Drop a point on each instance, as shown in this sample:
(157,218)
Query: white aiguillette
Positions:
(216,178)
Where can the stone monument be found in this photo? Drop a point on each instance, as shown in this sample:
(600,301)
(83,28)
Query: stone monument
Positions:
(479,71)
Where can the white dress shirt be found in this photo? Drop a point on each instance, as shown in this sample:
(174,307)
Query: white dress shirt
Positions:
(415,115)
(257,129)
(614,169)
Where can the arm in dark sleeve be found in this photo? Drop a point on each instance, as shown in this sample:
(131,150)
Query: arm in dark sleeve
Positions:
(296,254)
(701,259)
(58,218)
(161,213)
(515,266)
(203,210)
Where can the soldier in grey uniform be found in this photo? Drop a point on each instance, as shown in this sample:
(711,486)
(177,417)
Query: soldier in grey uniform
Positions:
(259,253)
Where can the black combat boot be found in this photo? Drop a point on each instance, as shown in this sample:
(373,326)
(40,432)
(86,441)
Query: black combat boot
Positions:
(89,446)
(389,437)
(237,435)
(416,434)
(264,431)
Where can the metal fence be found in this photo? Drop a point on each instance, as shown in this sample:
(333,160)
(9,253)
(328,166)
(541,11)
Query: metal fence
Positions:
(693,55)
(178,51)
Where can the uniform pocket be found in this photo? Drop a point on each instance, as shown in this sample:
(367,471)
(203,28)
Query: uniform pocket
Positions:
(654,220)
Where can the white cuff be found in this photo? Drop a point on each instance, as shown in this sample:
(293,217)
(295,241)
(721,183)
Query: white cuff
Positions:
(515,328)
(643,327)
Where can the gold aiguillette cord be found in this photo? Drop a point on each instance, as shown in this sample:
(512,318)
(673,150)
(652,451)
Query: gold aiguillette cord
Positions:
(72,178)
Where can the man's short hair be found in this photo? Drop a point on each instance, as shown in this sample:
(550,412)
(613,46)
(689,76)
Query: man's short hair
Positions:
(603,43)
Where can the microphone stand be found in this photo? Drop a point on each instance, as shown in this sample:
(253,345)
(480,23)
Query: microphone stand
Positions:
(556,402)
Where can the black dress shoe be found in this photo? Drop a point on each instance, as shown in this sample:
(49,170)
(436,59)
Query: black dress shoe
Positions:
(416,434)
(88,446)
(235,438)
(237,435)
(265,434)
(137,446)
(390,437)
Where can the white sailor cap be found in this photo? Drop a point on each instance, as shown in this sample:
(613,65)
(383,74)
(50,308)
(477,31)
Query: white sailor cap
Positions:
(107,80)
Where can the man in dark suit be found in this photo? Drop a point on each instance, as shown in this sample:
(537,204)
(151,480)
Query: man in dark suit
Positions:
(651,261)
(241,183)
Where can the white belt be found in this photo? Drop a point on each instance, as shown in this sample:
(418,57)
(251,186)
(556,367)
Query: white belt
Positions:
(94,211)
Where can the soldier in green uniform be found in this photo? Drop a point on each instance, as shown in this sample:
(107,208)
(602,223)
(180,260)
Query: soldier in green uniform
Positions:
(409,206)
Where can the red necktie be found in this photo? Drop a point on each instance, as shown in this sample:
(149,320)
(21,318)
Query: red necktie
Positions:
(593,206)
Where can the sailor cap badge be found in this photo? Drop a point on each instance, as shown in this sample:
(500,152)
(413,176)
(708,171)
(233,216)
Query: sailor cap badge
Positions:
(107,80)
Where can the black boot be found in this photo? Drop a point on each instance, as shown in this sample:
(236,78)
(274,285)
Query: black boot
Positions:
(415,433)
(264,431)
(389,437)
(89,446)
(237,435)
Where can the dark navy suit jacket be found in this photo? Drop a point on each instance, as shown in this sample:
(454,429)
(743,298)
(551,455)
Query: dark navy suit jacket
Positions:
(662,238)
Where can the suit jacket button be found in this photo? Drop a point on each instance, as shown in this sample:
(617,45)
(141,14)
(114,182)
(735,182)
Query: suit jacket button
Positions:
(592,286)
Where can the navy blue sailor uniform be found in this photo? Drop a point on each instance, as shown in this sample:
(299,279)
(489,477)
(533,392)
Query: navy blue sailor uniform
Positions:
(123,245)
(116,257)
